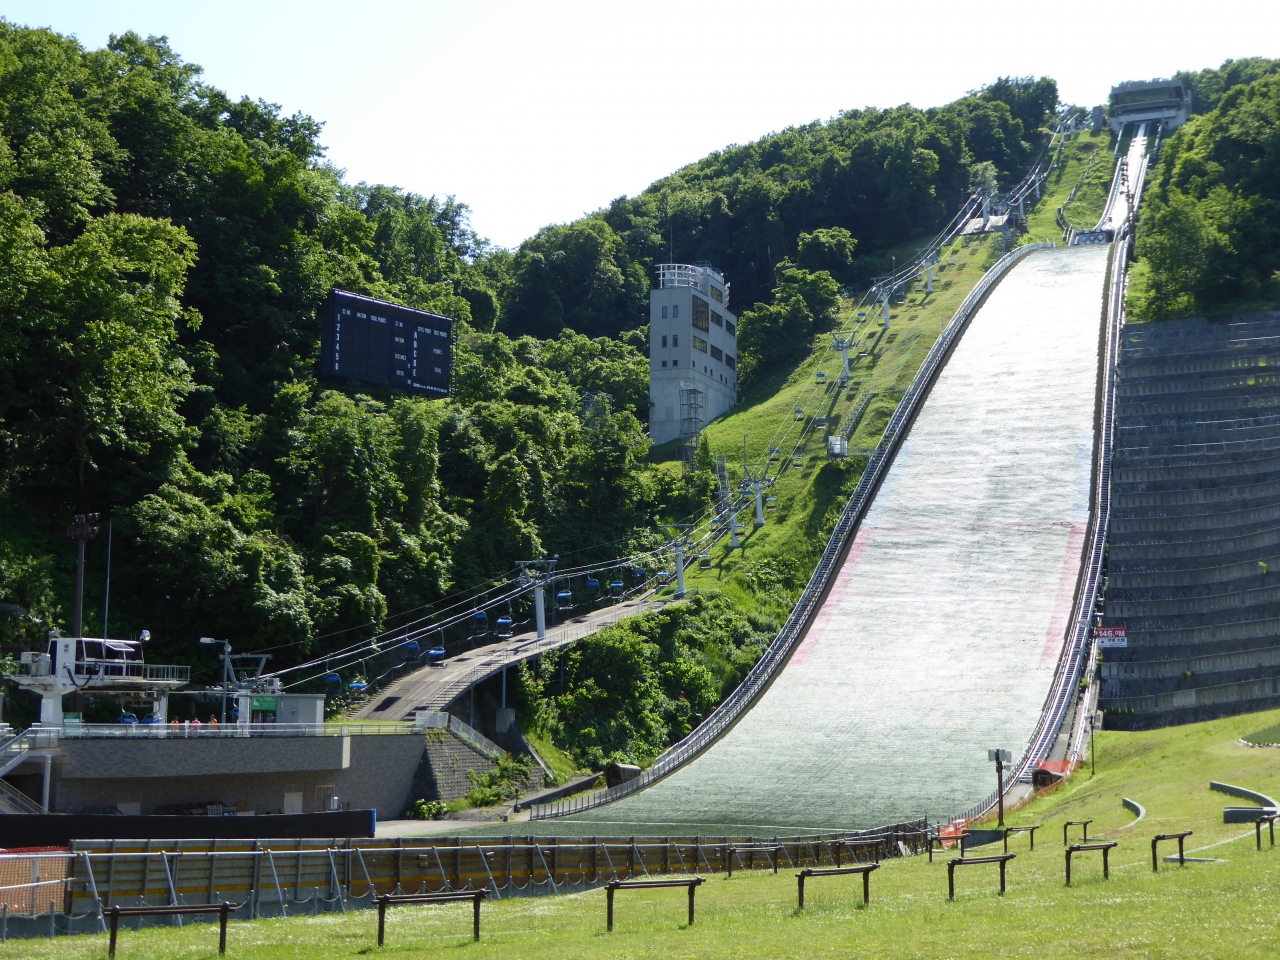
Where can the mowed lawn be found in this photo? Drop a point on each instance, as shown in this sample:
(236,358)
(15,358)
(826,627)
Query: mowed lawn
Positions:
(1226,909)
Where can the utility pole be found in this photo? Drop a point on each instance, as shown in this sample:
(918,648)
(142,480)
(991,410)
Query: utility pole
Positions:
(539,586)
(1001,757)
(227,677)
(84,527)
(844,345)
(679,533)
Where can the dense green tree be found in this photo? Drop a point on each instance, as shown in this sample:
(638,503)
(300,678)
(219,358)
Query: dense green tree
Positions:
(1210,228)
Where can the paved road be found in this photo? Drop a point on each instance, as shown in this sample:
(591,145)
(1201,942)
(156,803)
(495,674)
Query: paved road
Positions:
(434,688)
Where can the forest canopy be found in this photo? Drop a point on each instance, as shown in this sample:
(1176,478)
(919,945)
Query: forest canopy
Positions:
(1209,231)
(166,249)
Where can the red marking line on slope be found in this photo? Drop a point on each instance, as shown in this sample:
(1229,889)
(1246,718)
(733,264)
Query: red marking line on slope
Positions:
(1057,632)
(818,629)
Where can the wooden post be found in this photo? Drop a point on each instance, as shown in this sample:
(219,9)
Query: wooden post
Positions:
(223,914)
(382,919)
(475,915)
(800,878)
(115,927)
(692,887)
(609,894)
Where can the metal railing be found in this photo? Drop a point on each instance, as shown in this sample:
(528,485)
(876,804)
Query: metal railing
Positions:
(775,657)
(184,730)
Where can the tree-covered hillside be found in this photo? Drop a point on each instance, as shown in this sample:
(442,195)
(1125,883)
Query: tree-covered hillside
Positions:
(1209,232)
(876,177)
(165,250)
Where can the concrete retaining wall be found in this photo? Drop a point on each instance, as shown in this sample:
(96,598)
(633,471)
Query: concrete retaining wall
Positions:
(1195,516)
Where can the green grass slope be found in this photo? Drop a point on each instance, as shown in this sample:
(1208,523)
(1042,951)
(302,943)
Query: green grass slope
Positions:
(1224,909)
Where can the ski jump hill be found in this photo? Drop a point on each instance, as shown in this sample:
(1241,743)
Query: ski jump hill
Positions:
(956,615)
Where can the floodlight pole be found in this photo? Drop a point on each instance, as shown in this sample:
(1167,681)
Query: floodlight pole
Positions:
(84,527)
(999,757)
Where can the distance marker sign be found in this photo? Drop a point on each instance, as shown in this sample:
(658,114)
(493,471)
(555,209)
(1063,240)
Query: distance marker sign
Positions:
(376,342)
(1113,637)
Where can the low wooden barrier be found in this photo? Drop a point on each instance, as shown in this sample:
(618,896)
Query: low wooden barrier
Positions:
(864,869)
(614,885)
(223,910)
(388,900)
(735,852)
(1001,859)
(1180,837)
(1089,848)
(958,839)
(1031,830)
(1270,820)
(1076,823)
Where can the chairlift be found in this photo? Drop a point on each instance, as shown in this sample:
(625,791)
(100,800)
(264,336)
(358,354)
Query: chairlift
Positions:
(505,627)
(479,623)
(797,460)
(820,421)
(774,454)
(616,587)
(435,656)
(593,584)
(821,377)
(412,649)
(704,560)
(771,503)
(799,413)
(332,678)
(564,600)
(357,685)
(639,575)
(862,314)
(664,577)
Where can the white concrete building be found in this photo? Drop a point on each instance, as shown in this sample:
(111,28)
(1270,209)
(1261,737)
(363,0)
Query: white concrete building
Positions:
(693,351)
(1163,102)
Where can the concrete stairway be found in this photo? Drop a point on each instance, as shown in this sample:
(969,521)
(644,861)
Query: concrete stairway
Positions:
(1194,560)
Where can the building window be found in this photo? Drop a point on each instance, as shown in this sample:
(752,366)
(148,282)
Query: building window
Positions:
(675,363)
(730,362)
(664,363)
(675,311)
(716,295)
(717,353)
(717,319)
(664,339)
(700,311)
(699,344)
(664,313)
(733,331)
(675,339)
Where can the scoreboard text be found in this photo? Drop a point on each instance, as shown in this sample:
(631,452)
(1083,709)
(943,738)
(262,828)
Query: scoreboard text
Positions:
(375,342)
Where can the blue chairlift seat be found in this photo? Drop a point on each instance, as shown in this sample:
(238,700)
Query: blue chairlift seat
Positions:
(774,453)
(821,377)
(332,678)
(664,576)
(799,413)
(616,587)
(412,647)
(126,717)
(505,627)
(771,503)
(564,600)
(435,656)
(357,685)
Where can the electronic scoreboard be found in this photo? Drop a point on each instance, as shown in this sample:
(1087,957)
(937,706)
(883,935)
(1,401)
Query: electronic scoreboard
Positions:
(375,342)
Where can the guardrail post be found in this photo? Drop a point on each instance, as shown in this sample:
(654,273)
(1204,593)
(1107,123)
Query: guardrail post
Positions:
(115,927)
(223,915)
(609,914)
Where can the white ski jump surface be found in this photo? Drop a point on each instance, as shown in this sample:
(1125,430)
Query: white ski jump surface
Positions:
(941,633)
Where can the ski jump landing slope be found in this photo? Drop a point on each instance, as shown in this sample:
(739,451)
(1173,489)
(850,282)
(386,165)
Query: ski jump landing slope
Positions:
(941,633)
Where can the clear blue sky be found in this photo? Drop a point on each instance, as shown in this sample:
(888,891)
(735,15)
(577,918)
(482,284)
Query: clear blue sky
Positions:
(536,112)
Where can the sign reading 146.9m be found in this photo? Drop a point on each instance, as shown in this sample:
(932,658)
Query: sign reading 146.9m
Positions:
(375,342)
